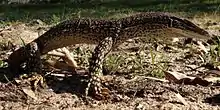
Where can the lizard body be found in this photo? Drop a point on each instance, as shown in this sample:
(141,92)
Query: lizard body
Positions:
(108,34)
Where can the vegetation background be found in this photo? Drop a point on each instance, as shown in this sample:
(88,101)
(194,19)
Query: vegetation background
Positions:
(51,11)
(130,68)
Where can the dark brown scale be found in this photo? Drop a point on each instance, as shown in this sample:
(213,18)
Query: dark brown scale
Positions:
(93,31)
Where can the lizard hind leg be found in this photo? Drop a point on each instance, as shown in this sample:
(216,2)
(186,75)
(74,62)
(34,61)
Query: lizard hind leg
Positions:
(34,64)
(95,69)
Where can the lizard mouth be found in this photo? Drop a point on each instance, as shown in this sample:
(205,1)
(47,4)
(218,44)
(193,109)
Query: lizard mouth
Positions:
(175,32)
(191,34)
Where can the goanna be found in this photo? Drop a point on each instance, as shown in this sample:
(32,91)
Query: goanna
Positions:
(107,34)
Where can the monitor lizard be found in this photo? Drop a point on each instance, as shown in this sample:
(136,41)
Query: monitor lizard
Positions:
(107,34)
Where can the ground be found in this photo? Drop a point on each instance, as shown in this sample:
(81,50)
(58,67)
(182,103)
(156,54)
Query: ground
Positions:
(137,73)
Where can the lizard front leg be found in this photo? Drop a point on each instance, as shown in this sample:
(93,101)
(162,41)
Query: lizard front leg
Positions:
(95,69)
(34,64)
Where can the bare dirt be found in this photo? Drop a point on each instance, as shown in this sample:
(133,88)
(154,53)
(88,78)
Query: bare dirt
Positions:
(130,87)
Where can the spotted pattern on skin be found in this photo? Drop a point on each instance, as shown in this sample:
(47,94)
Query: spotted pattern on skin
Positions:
(108,34)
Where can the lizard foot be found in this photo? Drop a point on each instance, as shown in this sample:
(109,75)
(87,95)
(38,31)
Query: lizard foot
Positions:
(34,80)
(96,89)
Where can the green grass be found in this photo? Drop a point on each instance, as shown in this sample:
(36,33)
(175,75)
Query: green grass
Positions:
(113,62)
(53,13)
(214,53)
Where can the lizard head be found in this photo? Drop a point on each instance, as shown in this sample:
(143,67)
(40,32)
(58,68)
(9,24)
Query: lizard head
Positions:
(165,25)
(186,28)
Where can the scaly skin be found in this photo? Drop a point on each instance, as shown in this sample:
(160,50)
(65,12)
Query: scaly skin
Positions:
(108,34)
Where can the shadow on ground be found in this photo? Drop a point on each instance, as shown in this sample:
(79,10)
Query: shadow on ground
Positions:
(75,84)
(214,100)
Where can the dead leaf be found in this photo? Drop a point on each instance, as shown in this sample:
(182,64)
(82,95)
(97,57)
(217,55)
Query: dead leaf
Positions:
(17,81)
(175,76)
(202,47)
(69,58)
(183,79)
(60,65)
(218,67)
(157,79)
(175,40)
(56,53)
(29,92)
(213,79)
(65,55)
(181,99)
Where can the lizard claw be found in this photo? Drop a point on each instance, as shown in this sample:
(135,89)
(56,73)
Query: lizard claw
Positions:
(101,93)
(97,90)
(33,80)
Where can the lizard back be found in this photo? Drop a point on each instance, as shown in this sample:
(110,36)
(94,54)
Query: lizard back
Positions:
(92,31)
(76,31)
